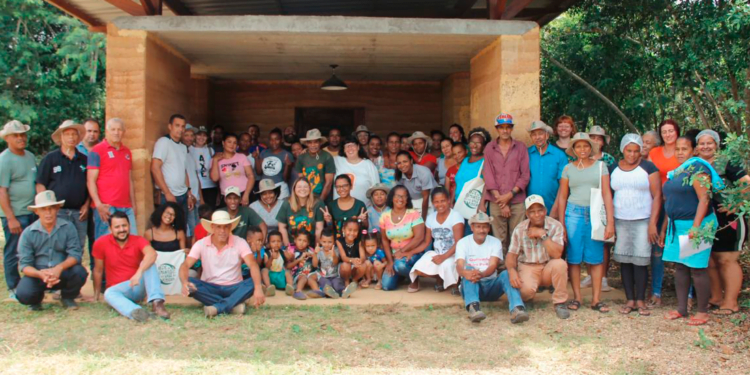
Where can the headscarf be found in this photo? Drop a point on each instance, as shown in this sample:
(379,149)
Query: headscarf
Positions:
(710,133)
(630,138)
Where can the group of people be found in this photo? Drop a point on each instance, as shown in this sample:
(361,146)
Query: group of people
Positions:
(237,219)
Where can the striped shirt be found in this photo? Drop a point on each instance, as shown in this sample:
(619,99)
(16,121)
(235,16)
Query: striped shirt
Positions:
(532,251)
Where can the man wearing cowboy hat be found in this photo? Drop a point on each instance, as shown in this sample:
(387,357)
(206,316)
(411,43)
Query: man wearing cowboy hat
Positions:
(420,145)
(130,264)
(545,166)
(534,257)
(221,289)
(17,176)
(506,175)
(362,133)
(315,166)
(248,217)
(64,172)
(477,258)
(49,256)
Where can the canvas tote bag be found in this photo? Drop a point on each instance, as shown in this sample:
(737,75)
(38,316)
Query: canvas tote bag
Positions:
(471,194)
(598,211)
(168,265)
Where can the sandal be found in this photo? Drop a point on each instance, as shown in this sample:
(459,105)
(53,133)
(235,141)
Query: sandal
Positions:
(378,286)
(364,284)
(724,312)
(697,322)
(651,304)
(625,310)
(601,307)
(673,315)
(574,305)
(644,311)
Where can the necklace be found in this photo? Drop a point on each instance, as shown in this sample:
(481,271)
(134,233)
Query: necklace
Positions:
(399,217)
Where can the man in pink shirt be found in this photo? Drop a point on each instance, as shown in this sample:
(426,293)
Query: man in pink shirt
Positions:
(221,289)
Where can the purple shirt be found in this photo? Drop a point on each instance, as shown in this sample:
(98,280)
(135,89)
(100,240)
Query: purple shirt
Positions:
(503,173)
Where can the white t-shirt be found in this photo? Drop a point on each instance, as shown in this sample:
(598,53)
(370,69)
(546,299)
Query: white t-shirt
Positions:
(202,158)
(478,256)
(173,155)
(632,191)
(192,171)
(363,174)
(442,234)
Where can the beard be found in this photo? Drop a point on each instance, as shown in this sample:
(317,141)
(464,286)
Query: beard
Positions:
(119,238)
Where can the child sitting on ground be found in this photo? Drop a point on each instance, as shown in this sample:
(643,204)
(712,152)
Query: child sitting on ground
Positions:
(376,260)
(255,240)
(302,265)
(278,276)
(352,254)
(331,284)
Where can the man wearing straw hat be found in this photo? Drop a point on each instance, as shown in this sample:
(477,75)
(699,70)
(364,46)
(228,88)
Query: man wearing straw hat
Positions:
(49,256)
(221,289)
(17,176)
(545,166)
(64,172)
(420,145)
(316,166)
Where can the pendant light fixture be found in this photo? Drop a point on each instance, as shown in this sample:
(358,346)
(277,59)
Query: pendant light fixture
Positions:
(333,83)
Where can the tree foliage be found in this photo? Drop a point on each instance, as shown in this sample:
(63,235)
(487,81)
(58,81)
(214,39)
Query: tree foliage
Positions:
(51,69)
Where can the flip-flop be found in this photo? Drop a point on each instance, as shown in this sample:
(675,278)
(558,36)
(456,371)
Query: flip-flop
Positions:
(600,308)
(644,311)
(625,310)
(696,322)
(673,315)
(378,286)
(724,312)
(574,305)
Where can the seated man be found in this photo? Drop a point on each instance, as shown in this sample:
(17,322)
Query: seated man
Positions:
(128,261)
(49,256)
(477,258)
(221,289)
(534,256)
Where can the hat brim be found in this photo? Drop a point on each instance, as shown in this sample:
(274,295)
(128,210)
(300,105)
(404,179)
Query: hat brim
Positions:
(607,138)
(373,189)
(539,203)
(571,150)
(207,224)
(4,134)
(427,139)
(277,189)
(57,135)
(58,203)
(481,222)
(305,140)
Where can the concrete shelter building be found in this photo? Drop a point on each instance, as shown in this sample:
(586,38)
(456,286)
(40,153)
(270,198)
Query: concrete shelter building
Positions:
(409,65)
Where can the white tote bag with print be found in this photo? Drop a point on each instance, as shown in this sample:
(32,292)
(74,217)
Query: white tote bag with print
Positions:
(168,264)
(599,212)
(471,194)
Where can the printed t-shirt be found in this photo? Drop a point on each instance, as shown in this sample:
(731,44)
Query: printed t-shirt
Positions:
(442,233)
(478,256)
(302,219)
(315,168)
(402,233)
(273,164)
(364,175)
(232,172)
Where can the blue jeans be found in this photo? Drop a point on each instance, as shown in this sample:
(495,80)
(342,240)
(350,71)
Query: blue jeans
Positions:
(101,227)
(31,290)
(182,201)
(222,297)
(72,215)
(491,289)
(10,252)
(657,270)
(192,220)
(401,268)
(124,298)
(581,247)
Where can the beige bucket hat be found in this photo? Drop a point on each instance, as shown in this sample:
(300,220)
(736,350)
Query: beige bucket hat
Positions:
(13,127)
(360,129)
(578,137)
(376,187)
(267,184)
(598,130)
(67,124)
(420,135)
(540,125)
(45,199)
(219,218)
(480,218)
(312,135)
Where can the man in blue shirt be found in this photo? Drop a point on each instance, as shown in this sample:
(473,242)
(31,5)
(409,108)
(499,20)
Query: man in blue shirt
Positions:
(546,165)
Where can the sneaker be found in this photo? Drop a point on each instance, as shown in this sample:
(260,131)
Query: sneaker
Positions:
(210,311)
(562,311)
(330,292)
(12,295)
(519,315)
(586,283)
(475,314)
(238,310)
(351,288)
(316,294)
(270,291)
(300,296)
(605,286)
(37,307)
(289,290)
(140,315)
(69,303)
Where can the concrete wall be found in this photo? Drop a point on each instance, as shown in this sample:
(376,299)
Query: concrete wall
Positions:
(389,106)
(457,100)
(505,78)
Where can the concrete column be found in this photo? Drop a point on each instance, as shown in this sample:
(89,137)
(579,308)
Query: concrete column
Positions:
(505,78)
(147,81)
(456,100)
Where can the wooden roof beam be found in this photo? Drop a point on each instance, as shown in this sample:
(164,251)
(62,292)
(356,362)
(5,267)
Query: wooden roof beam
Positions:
(496,9)
(152,7)
(129,7)
(178,8)
(514,8)
(68,8)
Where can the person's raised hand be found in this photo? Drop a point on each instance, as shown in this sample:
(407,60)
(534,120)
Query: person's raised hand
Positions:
(362,215)
(326,215)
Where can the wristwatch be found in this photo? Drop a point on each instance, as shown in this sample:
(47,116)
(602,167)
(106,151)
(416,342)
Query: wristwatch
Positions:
(544,238)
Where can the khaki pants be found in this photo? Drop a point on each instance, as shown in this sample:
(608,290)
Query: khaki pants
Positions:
(554,273)
(502,227)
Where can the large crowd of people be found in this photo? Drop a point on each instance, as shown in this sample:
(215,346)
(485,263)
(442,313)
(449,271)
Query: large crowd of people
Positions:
(321,216)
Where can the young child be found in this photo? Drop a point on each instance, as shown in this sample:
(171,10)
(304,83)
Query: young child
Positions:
(302,265)
(327,275)
(376,259)
(255,240)
(352,254)
(279,277)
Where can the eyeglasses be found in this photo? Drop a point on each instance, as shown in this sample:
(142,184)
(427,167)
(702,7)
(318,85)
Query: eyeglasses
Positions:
(339,187)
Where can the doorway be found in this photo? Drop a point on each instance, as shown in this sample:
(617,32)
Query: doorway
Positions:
(327,118)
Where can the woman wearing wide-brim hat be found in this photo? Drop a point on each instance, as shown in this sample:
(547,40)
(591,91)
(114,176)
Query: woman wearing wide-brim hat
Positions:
(578,178)
(600,137)
(267,207)
(420,145)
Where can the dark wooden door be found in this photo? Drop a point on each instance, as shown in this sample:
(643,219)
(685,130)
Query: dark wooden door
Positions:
(324,119)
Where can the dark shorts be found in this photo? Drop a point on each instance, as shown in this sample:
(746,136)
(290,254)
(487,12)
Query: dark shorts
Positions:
(732,235)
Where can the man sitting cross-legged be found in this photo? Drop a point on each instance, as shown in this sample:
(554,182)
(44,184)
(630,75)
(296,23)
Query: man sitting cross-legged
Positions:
(477,258)
(128,260)
(534,257)
(221,289)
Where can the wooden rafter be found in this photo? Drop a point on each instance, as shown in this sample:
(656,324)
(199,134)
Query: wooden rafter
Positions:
(68,8)
(178,8)
(152,7)
(514,8)
(129,7)
(496,9)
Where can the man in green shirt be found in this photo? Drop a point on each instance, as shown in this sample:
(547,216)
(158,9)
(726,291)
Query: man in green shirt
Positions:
(248,217)
(17,187)
(316,166)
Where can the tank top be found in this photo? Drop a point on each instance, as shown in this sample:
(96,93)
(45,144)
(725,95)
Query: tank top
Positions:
(165,246)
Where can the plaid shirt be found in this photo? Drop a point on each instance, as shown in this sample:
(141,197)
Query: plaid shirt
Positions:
(532,251)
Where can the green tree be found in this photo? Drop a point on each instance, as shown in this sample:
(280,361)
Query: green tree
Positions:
(51,69)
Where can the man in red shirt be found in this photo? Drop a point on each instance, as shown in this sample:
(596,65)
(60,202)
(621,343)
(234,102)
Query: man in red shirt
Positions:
(420,144)
(131,272)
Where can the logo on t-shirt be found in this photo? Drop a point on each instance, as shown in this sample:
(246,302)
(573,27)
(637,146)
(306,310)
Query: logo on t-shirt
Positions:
(272,166)
(57,169)
(167,274)
(111,154)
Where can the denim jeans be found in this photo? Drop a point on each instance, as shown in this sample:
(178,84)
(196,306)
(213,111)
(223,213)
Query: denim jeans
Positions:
(657,270)
(192,220)
(223,297)
(72,215)
(401,268)
(491,289)
(10,252)
(124,298)
(101,227)
(31,290)
(182,201)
